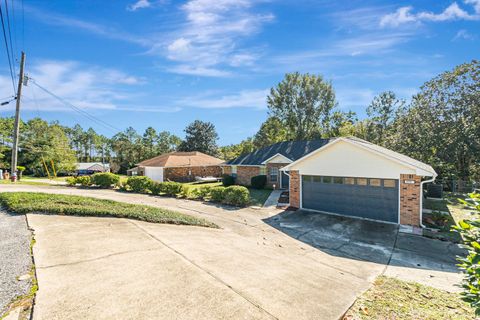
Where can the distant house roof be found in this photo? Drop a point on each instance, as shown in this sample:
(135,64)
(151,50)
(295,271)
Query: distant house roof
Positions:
(293,150)
(92,166)
(181,159)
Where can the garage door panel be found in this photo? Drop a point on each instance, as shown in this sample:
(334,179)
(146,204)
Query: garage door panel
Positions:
(365,201)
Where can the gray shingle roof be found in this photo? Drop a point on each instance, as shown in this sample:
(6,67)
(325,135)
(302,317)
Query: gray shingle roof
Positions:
(293,150)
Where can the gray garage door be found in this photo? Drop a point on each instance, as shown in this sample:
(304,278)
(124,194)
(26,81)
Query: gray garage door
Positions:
(360,197)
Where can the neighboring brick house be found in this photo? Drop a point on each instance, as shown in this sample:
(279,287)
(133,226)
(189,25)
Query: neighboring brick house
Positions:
(179,166)
(344,176)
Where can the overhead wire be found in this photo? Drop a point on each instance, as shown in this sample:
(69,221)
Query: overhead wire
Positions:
(13,48)
(77,109)
(8,50)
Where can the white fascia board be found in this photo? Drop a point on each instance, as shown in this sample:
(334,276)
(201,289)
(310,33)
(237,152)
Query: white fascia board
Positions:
(277,154)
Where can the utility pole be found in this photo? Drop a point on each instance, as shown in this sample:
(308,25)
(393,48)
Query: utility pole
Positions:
(16,130)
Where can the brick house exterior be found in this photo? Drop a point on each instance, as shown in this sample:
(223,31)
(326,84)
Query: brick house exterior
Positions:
(188,174)
(410,194)
(345,176)
(270,183)
(245,174)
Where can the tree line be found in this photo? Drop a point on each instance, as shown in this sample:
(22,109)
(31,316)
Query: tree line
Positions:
(440,126)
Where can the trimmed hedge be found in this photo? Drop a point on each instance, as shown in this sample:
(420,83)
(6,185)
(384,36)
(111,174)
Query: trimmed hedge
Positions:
(105,179)
(236,196)
(171,188)
(228,180)
(258,182)
(84,181)
(139,184)
(71,181)
(217,194)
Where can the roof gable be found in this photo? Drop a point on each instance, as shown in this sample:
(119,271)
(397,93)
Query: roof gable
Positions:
(181,159)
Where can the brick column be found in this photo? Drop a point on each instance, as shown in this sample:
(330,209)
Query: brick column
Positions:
(410,194)
(294,189)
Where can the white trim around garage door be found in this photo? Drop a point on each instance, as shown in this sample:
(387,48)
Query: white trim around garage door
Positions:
(342,215)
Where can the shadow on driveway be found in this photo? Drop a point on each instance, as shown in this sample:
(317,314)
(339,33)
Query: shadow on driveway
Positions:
(367,240)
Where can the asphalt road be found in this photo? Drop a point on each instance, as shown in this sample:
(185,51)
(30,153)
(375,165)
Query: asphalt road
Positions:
(15,259)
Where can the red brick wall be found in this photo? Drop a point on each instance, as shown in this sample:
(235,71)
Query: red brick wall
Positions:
(245,174)
(410,194)
(277,183)
(227,170)
(186,174)
(294,189)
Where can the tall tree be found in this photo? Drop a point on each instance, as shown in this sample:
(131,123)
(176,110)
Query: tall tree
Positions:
(149,142)
(442,126)
(303,103)
(271,131)
(167,142)
(200,136)
(382,112)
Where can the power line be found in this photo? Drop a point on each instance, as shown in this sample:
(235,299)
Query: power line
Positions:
(8,51)
(12,46)
(82,112)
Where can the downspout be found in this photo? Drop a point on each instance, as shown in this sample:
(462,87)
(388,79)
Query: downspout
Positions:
(421,198)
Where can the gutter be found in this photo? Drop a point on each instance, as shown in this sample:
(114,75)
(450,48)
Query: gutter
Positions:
(421,198)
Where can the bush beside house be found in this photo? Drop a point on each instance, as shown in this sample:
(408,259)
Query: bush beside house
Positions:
(231,195)
(228,180)
(259,182)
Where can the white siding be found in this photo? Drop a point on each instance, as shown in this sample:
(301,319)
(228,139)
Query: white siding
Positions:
(154,173)
(345,159)
(278,159)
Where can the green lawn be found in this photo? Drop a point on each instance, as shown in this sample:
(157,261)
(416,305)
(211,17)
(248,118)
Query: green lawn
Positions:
(391,298)
(259,196)
(444,223)
(27,182)
(26,202)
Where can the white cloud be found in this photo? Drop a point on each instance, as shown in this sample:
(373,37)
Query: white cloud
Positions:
(256,99)
(404,15)
(463,34)
(198,71)
(209,38)
(86,87)
(97,29)
(140,4)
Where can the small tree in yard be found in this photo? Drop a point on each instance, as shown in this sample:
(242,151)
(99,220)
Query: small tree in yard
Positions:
(470,265)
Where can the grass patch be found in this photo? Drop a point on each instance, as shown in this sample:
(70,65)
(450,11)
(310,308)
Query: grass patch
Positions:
(259,196)
(444,223)
(199,185)
(30,182)
(391,298)
(26,202)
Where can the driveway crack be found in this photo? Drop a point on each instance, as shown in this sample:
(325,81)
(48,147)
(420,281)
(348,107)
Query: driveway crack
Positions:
(211,274)
(96,259)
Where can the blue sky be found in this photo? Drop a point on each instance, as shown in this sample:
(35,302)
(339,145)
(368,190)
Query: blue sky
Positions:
(166,63)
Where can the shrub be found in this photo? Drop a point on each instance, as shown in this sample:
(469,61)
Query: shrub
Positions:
(105,179)
(228,180)
(258,182)
(139,184)
(470,265)
(204,192)
(156,187)
(190,192)
(84,181)
(71,181)
(171,188)
(237,196)
(217,194)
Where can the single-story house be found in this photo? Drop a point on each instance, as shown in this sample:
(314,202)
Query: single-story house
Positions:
(344,176)
(87,168)
(179,166)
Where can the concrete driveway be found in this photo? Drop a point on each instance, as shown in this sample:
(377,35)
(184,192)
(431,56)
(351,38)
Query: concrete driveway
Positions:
(261,264)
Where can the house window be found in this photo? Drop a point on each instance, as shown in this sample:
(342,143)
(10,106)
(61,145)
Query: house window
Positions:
(389,183)
(273,174)
(349,180)
(327,179)
(362,181)
(317,179)
(338,180)
(263,171)
(375,182)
